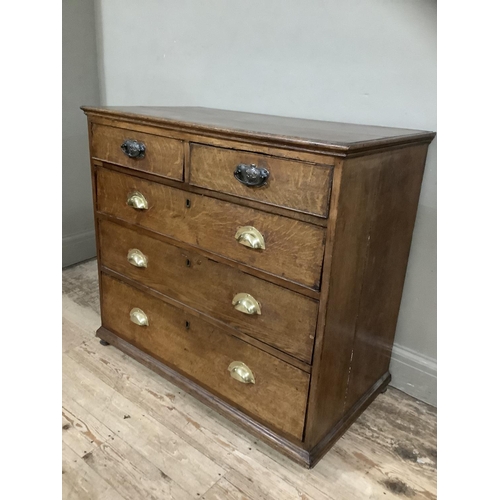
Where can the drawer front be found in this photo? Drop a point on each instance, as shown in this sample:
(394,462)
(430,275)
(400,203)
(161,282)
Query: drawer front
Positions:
(203,353)
(293,249)
(161,155)
(291,184)
(284,319)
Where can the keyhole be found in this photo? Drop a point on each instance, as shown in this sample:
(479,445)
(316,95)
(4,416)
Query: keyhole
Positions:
(188,263)
(187,325)
(188,203)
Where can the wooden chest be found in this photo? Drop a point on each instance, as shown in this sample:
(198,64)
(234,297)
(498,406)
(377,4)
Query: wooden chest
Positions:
(255,261)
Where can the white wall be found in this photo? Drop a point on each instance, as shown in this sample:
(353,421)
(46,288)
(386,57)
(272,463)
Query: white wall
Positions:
(80,86)
(359,61)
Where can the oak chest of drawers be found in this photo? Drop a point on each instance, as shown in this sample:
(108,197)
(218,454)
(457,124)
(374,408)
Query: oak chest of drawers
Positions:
(255,261)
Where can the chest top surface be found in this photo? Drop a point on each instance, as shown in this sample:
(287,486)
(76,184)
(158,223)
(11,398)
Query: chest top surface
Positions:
(344,137)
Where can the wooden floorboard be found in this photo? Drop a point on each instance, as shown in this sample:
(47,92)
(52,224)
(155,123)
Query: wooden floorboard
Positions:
(130,434)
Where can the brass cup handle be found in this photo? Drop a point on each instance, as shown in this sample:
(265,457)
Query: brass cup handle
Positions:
(137,200)
(246,304)
(240,372)
(139,317)
(137,258)
(250,237)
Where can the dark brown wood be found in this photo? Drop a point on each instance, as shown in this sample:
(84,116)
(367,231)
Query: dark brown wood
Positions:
(294,249)
(349,417)
(244,202)
(288,319)
(337,210)
(301,365)
(292,448)
(203,353)
(334,343)
(263,146)
(93,175)
(375,214)
(288,446)
(163,157)
(308,292)
(392,218)
(291,184)
(336,137)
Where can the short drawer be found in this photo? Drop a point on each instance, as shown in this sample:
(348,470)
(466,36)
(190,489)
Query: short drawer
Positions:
(278,394)
(293,249)
(300,186)
(275,315)
(146,152)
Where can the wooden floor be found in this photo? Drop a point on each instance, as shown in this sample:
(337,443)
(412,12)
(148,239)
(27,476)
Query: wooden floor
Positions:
(129,434)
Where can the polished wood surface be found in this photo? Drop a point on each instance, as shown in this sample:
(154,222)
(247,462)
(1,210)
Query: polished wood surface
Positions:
(294,249)
(375,214)
(339,137)
(288,319)
(336,213)
(191,136)
(291,184)
(393,214)
(171,446)
(203,353)
(163,156)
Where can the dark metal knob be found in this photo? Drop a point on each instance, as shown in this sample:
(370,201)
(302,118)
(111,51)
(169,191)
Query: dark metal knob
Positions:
(134,149)
(251,175)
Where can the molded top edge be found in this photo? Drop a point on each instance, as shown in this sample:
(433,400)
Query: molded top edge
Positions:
(334,136)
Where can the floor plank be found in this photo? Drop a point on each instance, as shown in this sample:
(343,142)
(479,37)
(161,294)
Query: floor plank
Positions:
(126,470)
(224,490)
(172,446)
(212,435)
(189,468)
(80,482)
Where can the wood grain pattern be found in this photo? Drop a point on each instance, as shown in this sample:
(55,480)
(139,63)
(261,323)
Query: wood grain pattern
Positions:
(164,156)
(189,188)
(389,452)
(80,482)
(256,146)
(203,353)
(375,216)
(288,319)
(309,134)
(291,184)
(334,344)
(302,365)
(294,249)
(176,458)
(392,217)
(337,216)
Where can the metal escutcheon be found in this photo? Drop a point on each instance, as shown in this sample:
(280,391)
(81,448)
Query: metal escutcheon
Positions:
(138,316)
(246,304)
(250,237)
(240,372)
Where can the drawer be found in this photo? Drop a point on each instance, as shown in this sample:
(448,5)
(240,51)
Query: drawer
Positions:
(304,187)
(283,319)
(159,155)
(293,249)
(203,353)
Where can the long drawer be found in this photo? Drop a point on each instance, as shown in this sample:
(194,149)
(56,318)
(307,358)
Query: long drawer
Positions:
(301,186)
(285,247)
(275,315)
(266,388)
(155,154)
